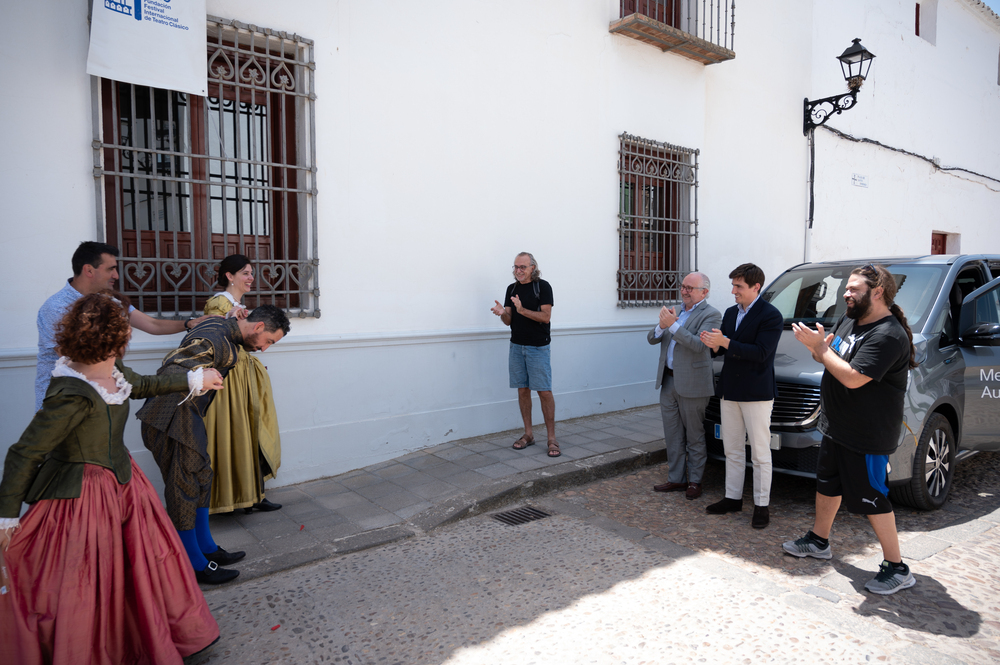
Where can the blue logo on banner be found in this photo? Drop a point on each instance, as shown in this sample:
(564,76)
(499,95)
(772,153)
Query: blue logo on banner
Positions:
(124,7)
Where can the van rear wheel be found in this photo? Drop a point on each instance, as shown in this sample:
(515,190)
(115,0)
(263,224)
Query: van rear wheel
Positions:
(933,467)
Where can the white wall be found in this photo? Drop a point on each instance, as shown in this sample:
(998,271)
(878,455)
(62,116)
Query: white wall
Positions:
(752,198)
(933,100)
(447,142)
(452,135)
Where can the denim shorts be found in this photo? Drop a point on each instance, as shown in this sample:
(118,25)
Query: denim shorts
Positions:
(530,367)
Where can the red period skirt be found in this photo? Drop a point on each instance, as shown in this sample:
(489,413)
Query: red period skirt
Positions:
(101,579)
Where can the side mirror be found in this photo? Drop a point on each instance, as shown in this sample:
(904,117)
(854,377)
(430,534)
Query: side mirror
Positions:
(981,334)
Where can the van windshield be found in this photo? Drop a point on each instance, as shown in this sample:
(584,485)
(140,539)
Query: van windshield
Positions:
(816,295)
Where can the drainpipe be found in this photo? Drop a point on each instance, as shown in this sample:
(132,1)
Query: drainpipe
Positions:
(811,194)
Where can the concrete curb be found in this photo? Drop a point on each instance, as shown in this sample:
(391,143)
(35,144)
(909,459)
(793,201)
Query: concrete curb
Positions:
(530,484)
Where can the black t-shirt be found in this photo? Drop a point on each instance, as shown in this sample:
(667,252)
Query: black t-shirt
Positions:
(523,330)
(868,419)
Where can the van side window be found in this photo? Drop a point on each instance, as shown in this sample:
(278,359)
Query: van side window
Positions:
(947,326)
(968,280)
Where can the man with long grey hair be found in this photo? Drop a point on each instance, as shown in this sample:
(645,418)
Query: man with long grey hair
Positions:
(527,309)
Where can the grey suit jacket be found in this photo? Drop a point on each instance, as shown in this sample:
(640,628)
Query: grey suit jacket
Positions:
(693,376)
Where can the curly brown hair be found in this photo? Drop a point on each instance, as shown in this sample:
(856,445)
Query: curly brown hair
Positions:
(95,327)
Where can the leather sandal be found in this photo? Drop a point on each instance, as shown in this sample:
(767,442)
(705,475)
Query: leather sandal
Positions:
(554,449)
(524,442)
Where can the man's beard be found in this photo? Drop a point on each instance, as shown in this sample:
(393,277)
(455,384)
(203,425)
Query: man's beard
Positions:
(861,307)
(250,343)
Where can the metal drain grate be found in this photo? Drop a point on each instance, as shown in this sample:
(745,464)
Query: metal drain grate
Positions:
(520,516)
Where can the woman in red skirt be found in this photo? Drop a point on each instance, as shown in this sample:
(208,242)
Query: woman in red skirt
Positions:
(94,571)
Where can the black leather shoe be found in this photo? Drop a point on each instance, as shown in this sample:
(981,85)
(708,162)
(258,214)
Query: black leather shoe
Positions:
(670,487)
(761,517)
(266,506)
(725,506)
(215,575)
(224,558)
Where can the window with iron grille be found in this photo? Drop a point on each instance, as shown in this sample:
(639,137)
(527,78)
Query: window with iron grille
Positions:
(185,181)
(657,220)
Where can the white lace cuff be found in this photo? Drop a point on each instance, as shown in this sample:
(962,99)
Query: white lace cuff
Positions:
(196,384)
(9,523)
(196,381)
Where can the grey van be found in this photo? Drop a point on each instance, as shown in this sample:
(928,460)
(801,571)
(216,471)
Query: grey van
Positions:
(952,407)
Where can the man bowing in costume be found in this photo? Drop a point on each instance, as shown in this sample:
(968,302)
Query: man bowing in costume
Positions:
(173,429)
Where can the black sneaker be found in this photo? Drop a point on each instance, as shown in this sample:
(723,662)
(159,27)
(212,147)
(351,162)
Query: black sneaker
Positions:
(806,546)
(888,580)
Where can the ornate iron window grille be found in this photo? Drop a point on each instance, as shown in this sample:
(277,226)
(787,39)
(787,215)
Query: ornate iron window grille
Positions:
(657,220)
(183,181)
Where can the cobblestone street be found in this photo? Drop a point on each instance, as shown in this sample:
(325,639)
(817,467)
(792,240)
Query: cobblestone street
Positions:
(620,574)
(954,553)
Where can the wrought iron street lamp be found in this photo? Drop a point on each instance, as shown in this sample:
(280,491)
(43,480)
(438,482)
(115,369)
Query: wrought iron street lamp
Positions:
(855,63)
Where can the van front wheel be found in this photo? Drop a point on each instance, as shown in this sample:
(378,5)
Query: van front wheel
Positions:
(933,467)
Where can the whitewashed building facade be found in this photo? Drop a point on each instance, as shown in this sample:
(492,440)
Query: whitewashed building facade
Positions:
(415,147)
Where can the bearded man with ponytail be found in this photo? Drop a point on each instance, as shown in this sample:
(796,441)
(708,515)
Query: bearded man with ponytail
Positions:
(867,358)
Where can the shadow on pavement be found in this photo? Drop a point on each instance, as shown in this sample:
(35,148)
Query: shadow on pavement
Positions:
(926,607)
(949,550)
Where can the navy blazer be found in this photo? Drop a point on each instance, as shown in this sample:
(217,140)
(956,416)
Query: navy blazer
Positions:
(748,370)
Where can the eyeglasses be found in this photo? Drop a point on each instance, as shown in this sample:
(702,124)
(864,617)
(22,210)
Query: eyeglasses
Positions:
(685,287)
(517,267)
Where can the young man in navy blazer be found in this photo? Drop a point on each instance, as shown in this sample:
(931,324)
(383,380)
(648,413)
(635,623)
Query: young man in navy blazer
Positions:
(746,390)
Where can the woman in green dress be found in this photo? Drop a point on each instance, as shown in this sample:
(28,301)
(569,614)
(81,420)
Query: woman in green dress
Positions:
(242,424)
(94,571)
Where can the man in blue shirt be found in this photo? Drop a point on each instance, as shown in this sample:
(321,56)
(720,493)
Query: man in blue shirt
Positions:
(95,267)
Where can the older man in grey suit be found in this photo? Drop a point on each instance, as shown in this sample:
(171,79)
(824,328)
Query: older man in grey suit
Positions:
(686,381)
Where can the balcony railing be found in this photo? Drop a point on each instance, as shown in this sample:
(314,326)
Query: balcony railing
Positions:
(702,30)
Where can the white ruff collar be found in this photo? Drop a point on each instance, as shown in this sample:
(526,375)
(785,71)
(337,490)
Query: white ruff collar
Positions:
(118,397)
(236,305)
(230,298)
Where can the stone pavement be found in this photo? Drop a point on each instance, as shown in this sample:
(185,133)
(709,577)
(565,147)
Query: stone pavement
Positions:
(420,491)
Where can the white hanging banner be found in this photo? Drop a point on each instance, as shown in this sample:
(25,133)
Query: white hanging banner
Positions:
(159,43)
